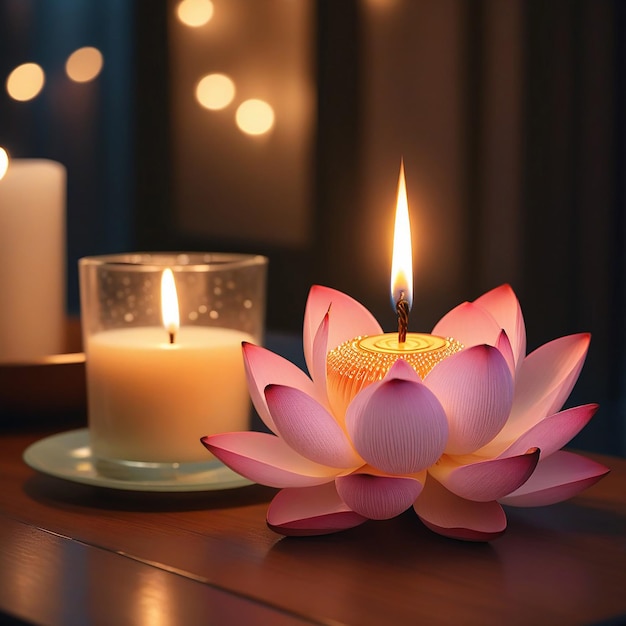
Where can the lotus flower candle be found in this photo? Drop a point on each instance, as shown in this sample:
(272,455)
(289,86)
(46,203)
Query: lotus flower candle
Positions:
(452,424)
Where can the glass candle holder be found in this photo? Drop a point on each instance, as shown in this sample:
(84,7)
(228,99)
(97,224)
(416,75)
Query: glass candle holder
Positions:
(162,334)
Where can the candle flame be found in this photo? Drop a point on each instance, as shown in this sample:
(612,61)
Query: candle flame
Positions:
(169,304)
(402,260)
(4,162)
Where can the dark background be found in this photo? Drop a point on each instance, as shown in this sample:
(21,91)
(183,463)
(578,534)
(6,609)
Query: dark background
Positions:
(509,116)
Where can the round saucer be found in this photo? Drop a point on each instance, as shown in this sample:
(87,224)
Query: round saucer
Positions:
(68,455)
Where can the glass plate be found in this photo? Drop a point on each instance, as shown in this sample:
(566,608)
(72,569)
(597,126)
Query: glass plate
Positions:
(68,456)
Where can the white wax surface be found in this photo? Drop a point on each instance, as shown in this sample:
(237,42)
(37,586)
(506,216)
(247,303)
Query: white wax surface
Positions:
(152,401)
(32,259)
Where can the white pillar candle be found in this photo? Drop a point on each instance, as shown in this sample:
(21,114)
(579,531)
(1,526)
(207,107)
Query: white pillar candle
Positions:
(151,401)
(32,259)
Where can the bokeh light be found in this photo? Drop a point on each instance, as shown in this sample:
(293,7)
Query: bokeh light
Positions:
(25,82)
(195,13)
(215,91)
(4,162)
(84,64)
(255,117)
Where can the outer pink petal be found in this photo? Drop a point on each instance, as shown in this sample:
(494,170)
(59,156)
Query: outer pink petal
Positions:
(308,428)
(378,497)
(486,480)
(348,319)
(475,389)
(559,477)
(544,382)
(264,367)
(267,459)
(449,515)
(550,435)
(397,425)
(470,324)
(503,305)
(310,511)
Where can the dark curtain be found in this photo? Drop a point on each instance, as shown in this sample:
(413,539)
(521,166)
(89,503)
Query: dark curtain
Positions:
(573,196)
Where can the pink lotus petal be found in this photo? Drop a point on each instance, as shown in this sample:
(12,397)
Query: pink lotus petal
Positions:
(550,435)
(349,388)
(475,389)
(486,480)
(318,355)
(504,346)
(266,459)
(402,370)
(397,425)
(311,511)
(308,428)
(264,367)
(378,497)
(503,305)
(348,318)
(544,382)
(451,516)
(470,324)
(559,477)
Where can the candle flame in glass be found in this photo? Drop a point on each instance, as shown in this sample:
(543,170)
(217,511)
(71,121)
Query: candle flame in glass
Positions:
(169,304)
(4,162)
(402,259)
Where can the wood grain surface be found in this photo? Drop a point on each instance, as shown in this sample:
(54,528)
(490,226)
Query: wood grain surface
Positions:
(72,553)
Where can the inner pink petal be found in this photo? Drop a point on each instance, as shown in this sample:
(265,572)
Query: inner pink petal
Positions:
(311,511)
(475,389)
(452,516)
(348,319)
(318,356)
(309,428)
(504,346)
(503,305)
(397,425)
(401,369)
(378,497)
(470,324)
(264,367)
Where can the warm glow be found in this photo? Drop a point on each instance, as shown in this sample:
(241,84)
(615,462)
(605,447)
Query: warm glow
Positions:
(25,82)
(195,13)
(402,261)
(84,64)
(255,117)
(4,162)
(169,303)
(215,91)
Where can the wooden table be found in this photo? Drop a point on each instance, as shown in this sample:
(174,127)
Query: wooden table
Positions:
(76,554)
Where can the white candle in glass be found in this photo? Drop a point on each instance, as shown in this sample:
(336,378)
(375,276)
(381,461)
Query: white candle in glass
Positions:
(154,391)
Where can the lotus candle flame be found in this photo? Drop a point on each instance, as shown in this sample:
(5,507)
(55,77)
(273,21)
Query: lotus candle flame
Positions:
(481,428)
(402,258)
